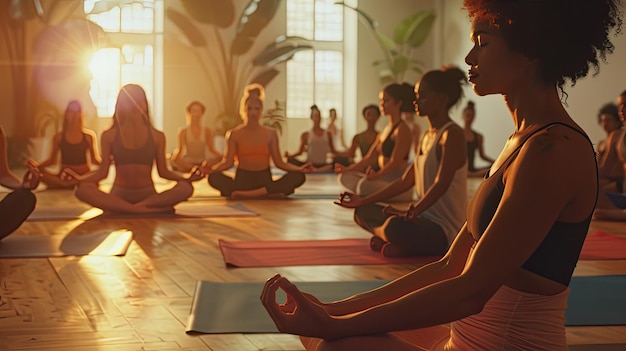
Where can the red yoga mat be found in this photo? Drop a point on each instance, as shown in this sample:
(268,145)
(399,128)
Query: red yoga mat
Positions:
(601,245)
(307,253)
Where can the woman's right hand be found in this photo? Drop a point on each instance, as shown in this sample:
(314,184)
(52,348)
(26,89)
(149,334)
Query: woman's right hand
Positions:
(31,179)
(349,200)
(69,176)
(339,168)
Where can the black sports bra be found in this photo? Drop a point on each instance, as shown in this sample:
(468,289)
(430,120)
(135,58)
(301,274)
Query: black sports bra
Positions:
(143,155)
(558,253)
(387,146)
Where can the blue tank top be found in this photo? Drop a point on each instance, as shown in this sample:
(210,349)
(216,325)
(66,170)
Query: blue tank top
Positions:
(558,253)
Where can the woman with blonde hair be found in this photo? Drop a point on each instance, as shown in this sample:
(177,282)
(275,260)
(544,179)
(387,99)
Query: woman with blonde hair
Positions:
(251,146)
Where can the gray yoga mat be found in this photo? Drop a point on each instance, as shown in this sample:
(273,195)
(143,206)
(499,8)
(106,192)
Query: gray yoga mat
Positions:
(101,243)
(188,209)
(235,307)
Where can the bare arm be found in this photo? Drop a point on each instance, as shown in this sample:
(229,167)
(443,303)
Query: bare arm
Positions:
(161,163)
(106,140)
(228,159)
(304,138)
(53,157)
(94,154)
(610,156)
(7,178)
(505,245)
(210,143)
(277,158)
(453,156)
(368,160)
(182,141)
(399,154)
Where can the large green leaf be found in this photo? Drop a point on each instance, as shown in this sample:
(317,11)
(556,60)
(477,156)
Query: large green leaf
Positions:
(191,32)
(265,77)
(414,29)
(254,18)
(364,16)
(217,12)
(275,55)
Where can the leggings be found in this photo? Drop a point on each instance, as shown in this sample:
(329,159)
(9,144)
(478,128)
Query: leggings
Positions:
(14,209)
(420,237)
(357,183)
(250,180)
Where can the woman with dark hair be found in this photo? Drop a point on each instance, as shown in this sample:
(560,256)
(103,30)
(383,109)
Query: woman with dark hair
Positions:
(318,145)
(20,203)
(503,285)
(439,174)
(390,151)
(195,141)
(76,146)
(475,142)
(364,140)
(134,146)
(253,145)
(609,164)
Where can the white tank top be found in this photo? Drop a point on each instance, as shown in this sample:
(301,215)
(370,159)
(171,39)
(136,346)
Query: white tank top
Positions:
(196,149)
(318,148)
(449,212)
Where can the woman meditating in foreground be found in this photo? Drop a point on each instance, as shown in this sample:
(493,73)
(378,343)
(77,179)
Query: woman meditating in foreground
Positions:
(503,284)
(253,145)
(134,145)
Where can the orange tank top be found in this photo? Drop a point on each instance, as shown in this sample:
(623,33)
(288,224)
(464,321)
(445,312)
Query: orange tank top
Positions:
(250,152)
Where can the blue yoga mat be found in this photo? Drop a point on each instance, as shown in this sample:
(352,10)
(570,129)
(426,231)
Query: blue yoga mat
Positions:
(597,300)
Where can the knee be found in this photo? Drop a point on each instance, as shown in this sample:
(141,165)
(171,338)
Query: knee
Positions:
(82,189)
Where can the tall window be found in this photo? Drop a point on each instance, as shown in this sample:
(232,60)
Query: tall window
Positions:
(135,32)
(315,77)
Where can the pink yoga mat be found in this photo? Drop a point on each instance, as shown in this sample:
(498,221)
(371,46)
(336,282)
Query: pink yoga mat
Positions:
(307,253)
(601,245)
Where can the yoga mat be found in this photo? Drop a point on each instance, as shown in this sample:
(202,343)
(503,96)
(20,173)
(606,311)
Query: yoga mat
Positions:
(194,209)
(597,300)
(307,253)
(601,245)
(102,243)
(235,307)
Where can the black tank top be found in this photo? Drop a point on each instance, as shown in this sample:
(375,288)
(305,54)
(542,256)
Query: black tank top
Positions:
(556,256)
(73,154)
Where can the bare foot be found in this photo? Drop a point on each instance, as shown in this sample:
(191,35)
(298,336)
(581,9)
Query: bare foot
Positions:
(376,243)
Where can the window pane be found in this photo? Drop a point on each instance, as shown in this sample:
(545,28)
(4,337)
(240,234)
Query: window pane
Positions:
(329,80)
(314,78)
(328,21)
(299,18)
(300,84)
(105,69)
(135,17)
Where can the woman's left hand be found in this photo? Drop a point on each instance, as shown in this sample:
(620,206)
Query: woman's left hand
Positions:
(195,174)
(299,315)
(411,213)
(307,168)
(370,173)
(31,179)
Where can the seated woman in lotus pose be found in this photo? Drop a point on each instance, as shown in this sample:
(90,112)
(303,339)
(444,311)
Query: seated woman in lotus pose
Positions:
(390,151)
(475,142)
(195,142)
(317,143)
(253,145)
(20,203)
(364,140)
(134,146)
(74,143)
(439,174)
(503,285)
(612,205)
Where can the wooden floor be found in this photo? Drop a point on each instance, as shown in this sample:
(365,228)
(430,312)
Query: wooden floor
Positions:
(141,301)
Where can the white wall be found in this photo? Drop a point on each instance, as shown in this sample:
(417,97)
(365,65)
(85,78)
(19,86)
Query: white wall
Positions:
(493,119)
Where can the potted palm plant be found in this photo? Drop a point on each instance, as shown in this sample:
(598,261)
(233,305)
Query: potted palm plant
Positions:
(400,49)
(240,61)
